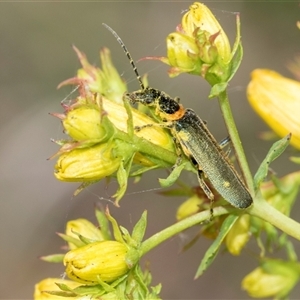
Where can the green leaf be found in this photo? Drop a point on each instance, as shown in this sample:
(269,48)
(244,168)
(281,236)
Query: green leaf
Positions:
(103,224)
(84,239)
(212,252)
(122,177)
(132,257)
(217,89)
(139,229)
(53,258)
(142,170)
(236,61)
(125,234)
(173,176)
(64,287)
(78,243)
(60,294)
(116,230)
(130,127)
(275,151)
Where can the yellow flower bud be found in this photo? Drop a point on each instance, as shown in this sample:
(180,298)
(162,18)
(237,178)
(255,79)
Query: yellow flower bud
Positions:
(182,54)
(188,207)
(84,123)
(274,278)
(49,285)
(101,260)
(276,100)
(84,228)
(117,114)
(87,164)
(199,16)
(238,235)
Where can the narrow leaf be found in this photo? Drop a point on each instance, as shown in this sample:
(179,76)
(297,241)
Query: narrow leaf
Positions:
(140,228)
(53,258)
(104,224)
(275,151)
(212,252)
(173,176)
(217,89)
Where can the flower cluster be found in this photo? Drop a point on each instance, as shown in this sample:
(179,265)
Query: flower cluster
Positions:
(102,141)
(97,265)
(201,47)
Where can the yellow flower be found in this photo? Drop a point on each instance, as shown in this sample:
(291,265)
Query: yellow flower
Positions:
(49,285)
(84,228)
(87,164)
(189,207)
(100,260)
(274,278)
(238,235)
(276,99)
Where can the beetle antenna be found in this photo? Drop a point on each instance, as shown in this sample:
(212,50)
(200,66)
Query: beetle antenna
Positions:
(127,54)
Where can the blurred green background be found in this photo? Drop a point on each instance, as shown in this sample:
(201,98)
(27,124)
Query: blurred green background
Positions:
(36,55)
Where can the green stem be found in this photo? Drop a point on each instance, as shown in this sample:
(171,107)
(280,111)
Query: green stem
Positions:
(176,228)
(235,139)
(268,213)
(142,145)
(260,207)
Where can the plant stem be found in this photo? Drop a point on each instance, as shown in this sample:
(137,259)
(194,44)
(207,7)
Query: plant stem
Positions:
(174,229)
(268,213)
(142,145)
(235,139)
(260,207)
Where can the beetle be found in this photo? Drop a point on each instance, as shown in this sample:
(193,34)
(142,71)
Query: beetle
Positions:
(195,140)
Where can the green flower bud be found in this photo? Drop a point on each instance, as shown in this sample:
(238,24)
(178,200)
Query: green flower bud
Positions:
(274,278)
(84,228)
(101,260)
(107,81)
(87,164)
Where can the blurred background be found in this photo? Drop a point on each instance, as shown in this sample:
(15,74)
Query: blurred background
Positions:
(36,55)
